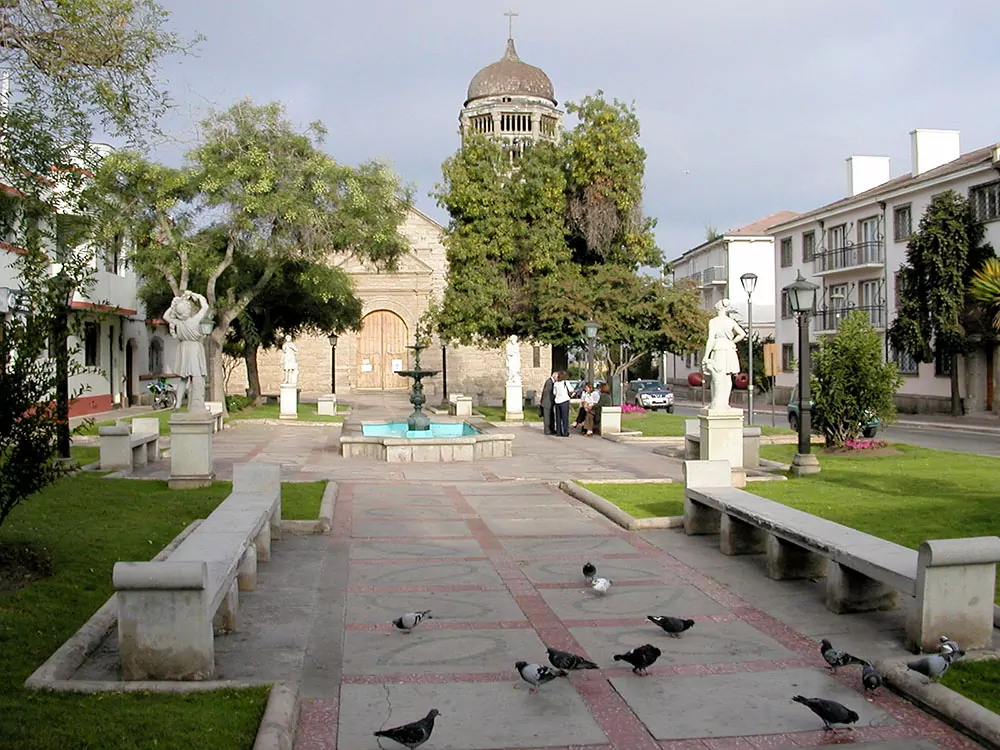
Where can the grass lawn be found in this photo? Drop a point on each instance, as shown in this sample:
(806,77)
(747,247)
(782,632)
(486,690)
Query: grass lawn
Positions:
(306,412)
(652,500)
(977,681)
(662,424)
(83,525)
(163,415)
(496,413)
(300,500)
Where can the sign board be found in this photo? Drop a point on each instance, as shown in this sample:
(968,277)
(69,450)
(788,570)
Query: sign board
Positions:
(772,360)
(397,365)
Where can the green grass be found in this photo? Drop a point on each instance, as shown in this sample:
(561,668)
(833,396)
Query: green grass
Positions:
(496,413)
(647,500)
(163,415)
(662,424)
(977,681)
(85,454)
(306,412)
(85,524)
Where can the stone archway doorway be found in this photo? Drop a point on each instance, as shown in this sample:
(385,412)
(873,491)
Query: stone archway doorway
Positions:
(382,351)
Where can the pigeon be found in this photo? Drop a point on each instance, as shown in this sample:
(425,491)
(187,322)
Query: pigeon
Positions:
(835,657)
(870,678)
(589,571)
(641,658)
(410,620)
(414,734)
(934,666)
(672,626)
(830,712)
(538,674)
(601,585)
(565,660)
(947,644)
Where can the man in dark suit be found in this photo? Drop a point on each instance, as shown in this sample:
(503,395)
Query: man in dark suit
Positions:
(548,406)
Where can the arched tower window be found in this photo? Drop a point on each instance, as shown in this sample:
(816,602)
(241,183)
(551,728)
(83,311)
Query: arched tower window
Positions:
(156,356)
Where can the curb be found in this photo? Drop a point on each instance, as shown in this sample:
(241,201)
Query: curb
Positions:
(613,513)
(280,720)
(968,716)
(321,525)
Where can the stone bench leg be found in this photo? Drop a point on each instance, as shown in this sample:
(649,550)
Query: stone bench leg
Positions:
(700,518)
(787,561)
(153,450)
(139,456)
(116,448)
(738,537)
(164,632)
(263,543)
(275,523)
(226,617)
(247,576)
(850,591)
(692,448)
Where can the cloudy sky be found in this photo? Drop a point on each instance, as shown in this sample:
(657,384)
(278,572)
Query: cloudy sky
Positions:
(747,106)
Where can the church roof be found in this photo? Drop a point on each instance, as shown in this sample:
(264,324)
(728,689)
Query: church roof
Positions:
(510,76)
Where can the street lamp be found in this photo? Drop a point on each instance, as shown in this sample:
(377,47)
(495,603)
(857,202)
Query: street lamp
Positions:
(590,330)
(332,338)
(802,299)
(749,281)
(60,339)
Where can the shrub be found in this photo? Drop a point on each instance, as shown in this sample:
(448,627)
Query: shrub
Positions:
(632,409)
(237,403)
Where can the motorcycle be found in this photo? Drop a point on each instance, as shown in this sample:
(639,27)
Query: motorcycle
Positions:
(164,394)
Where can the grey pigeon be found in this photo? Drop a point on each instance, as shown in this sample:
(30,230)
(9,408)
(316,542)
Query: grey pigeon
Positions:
(672,626)
(947,644)
(830,712)
(566,660)
(410,620)
(601,585)
(933,666)
(538,674)
(836,657)
(870,678)
(589,571)
(641,658)
(414,734)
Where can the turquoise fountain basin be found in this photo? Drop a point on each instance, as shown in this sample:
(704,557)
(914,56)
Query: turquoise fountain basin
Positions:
(401,430)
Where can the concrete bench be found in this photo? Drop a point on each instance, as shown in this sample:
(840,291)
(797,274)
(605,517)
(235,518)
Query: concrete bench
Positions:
(751,443)
(950,582)
(218,412)
(459,405)
(126,446)
(170,611)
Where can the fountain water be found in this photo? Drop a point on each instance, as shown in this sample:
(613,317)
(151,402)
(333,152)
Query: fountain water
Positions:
(417,421)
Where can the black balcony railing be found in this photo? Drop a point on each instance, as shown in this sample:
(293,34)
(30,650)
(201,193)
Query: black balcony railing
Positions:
(850,256)
(829,319)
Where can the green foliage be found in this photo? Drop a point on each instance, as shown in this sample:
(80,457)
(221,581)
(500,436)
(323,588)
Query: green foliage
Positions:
(235,402)
(762,381)
(850,382)
(985,287)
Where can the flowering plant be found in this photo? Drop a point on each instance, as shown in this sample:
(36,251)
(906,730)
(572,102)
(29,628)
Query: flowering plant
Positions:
(632,409)
(860,444)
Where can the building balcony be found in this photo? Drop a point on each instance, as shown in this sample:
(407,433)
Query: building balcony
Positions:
(713,275)
(828,319)
(849,258)
(109,292)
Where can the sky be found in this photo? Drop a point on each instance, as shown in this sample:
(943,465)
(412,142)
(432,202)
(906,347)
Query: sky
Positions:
(747,107)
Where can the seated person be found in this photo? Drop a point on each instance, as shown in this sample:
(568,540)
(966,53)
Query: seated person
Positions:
(587,401)
(592,423)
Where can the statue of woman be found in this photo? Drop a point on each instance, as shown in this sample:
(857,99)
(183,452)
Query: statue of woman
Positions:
(721,361)
(513,351)
(185,326)
(289,362)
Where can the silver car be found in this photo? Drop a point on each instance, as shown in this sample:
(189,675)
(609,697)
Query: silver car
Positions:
(650,394)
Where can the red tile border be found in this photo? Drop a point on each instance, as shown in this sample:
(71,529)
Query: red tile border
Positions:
(318,722)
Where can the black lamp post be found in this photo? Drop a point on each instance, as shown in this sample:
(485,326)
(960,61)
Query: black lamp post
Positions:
(749,281)
(60,337)
(802,301)
(332,338)
(590,330)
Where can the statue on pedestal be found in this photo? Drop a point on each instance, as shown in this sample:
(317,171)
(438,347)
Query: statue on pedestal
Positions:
(721,360)
(513,361)
(289,362)
(184,320)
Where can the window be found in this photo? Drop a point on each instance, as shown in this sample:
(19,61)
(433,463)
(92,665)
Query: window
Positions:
(808,246)
(786,310)
(942,364)
(906,363)
(838,297)
(902,223)
(536,356)
(91,344)
(786,252)
(985,200)
(156,356)
(836,237)
(787,357)
(687,361)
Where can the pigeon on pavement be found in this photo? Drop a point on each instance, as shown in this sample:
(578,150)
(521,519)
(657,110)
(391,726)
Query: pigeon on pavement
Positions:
(947,644)
(933,666)
(836,657)
(672,626)
(830,712)
(538,674)
(414,734)
(641,658)
(565,660)
(870,678)
(410,620)
(601,585)
(589,571)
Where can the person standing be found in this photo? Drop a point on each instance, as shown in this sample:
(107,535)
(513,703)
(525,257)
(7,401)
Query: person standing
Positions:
(548,411)
(560,397)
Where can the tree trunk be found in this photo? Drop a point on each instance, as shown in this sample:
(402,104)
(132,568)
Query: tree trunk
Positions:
(956,398)
(253,373)
(560,358)
(216,372)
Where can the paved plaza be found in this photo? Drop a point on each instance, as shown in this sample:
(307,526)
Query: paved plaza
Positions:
(494,549)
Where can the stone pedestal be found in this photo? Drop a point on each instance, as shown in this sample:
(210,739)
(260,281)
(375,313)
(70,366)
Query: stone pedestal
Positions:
(461,406)
(327,405)
(289,401)
(721,436)
(191,450)
(805,463)
(611,420)
(514,403)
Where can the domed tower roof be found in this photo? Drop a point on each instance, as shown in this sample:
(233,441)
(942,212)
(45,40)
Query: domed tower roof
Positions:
(509,75)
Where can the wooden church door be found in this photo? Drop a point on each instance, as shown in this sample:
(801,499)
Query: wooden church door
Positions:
(382,351)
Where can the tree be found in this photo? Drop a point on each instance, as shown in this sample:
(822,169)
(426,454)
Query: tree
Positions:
(850,382)
(935,309)
(985,287)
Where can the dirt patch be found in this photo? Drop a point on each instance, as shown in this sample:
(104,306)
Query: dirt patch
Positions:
(22,564)
(888,451)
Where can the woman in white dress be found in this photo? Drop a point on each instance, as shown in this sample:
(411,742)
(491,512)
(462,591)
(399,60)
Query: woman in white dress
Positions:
(721,360)
(560,397)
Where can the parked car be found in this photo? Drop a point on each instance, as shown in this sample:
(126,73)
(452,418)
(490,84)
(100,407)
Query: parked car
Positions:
(649,394)
(868,429)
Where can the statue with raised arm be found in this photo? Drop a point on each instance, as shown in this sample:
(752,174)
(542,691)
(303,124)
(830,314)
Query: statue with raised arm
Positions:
(513,351)
(184,318)
(721,360)
(289,362)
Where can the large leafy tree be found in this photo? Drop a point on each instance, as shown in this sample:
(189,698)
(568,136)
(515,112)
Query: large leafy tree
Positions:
(935,311)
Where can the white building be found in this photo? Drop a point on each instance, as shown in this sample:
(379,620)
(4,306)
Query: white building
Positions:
(853,248)
(715,267)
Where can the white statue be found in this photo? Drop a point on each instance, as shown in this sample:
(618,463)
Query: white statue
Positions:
(513,361)
(721,361)
(289,363)
(185,326)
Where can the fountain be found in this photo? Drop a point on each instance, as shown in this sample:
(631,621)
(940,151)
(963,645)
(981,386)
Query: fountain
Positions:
(417,421)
